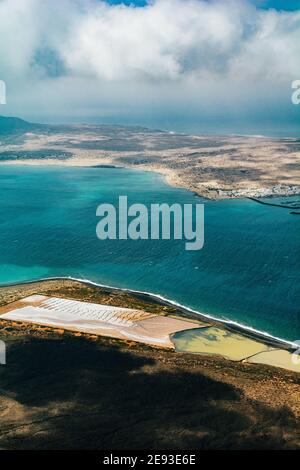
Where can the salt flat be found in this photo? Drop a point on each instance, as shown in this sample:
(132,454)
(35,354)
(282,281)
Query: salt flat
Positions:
(140,326)
(103,320)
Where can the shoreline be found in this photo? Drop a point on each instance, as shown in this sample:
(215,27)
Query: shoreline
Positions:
(169,175)
(231,325)
(187,312)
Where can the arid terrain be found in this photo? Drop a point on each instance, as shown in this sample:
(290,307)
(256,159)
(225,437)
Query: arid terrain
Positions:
(211,166)
(72,390)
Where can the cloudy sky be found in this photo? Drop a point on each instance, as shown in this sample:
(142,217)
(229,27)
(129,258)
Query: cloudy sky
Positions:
(190,65)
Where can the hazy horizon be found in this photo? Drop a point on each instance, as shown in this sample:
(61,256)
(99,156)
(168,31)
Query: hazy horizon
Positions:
(196,66)
(206,128)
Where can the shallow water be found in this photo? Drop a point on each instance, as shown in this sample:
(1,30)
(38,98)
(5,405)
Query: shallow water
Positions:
(248,270)
(214,340)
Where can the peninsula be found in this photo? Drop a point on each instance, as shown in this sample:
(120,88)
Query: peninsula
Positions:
(215,167)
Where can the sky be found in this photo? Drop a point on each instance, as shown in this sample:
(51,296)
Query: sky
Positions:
(288,5)
(203,66)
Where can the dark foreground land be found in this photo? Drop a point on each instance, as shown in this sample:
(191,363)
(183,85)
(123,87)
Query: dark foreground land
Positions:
(69,391)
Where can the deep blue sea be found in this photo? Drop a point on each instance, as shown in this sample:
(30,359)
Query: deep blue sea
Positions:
(248,270)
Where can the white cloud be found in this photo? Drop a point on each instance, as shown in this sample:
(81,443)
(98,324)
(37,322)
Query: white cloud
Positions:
(169,39)
(172,50)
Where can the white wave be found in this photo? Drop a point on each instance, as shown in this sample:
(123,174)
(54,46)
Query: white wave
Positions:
(291,344)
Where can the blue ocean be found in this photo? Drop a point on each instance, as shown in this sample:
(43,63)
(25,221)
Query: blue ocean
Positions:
(247,272)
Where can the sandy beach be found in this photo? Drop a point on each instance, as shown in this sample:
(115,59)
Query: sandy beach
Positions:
(215,167)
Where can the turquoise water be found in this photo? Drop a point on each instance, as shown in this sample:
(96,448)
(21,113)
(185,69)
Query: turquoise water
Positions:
(248,270)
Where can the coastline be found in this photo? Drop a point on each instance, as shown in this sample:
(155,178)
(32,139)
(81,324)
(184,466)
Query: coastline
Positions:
(184,311)
(209,191)
(196,315)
